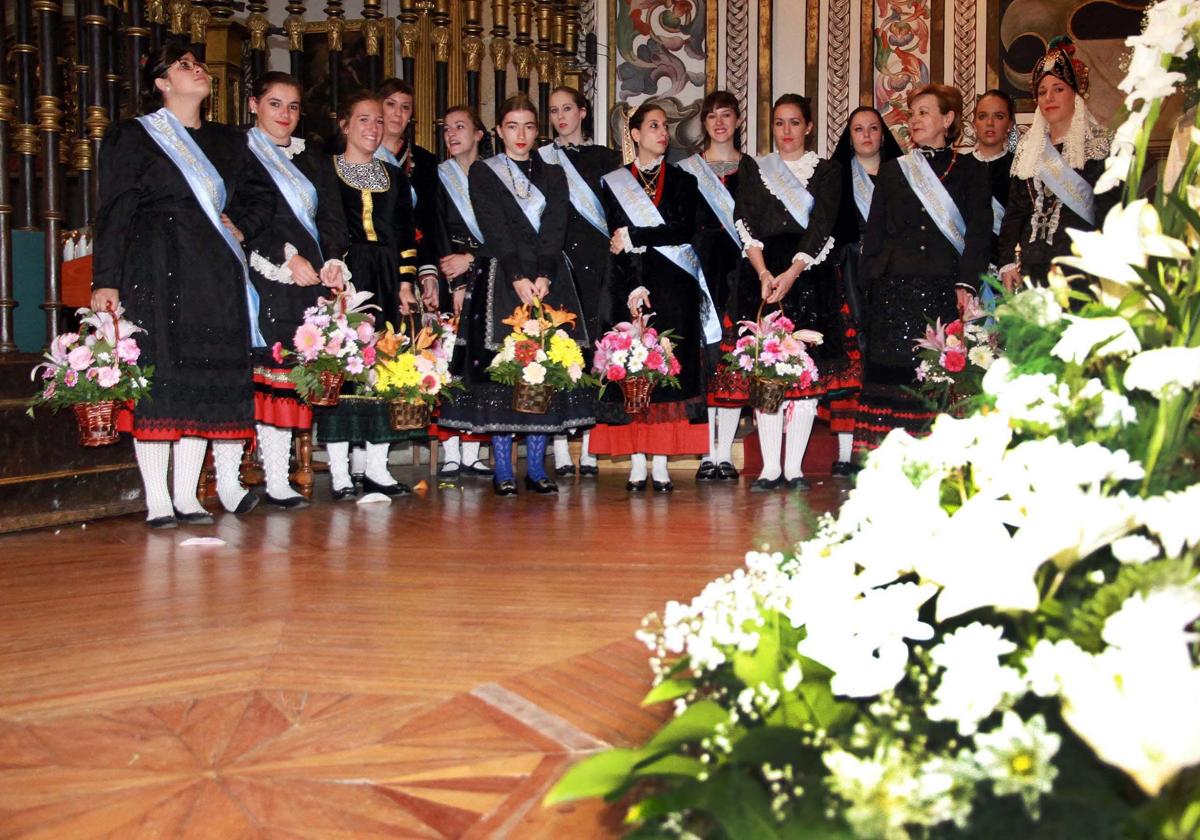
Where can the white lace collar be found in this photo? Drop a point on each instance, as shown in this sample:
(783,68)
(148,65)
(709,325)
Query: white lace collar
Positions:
(295,147)
(654,164)
(979,156)
(803,168)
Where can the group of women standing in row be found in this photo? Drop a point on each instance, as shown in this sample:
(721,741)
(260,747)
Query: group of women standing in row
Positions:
(866,248)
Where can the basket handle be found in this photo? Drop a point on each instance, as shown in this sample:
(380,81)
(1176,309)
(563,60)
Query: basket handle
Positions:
(116,322)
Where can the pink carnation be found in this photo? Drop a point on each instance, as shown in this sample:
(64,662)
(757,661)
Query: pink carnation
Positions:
(673,366)
(954,328)
(954,360)
(80,358)
(771,347)
(366,332)
(128,350)
(368,354)
(108,377)
(277,352)
(615,373)
(654,360)
(650,337)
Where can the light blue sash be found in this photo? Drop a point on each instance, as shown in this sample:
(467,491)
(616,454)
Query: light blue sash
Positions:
(863,186)
(714,192)
(384,154)
(1066,183)
(786,187)
(642,212)
(297,190)
(206,184)
(514,179)
(997,215)
(454,179)
(933,195)
(583,198)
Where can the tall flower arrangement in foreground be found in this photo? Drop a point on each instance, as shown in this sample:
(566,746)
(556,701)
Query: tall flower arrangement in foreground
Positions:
(997,634)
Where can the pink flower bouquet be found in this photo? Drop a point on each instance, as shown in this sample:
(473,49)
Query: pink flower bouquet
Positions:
(335,343)
(772,349)
(954,357)
(630,351)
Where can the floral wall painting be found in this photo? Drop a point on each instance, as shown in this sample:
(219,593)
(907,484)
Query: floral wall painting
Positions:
(1098,28)
(902,52)
(662,53)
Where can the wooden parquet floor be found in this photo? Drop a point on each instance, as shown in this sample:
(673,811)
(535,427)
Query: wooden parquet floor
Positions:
(424,669)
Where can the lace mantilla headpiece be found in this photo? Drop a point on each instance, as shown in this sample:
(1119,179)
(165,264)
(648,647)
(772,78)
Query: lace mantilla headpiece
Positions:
(1060,62)
(1086,140)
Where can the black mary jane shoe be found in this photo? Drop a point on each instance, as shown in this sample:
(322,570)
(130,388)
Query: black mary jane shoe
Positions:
(565,471)
(450,471)
(508,487)
(397,489)
(248,503)
(162,523)
(663,487)
(200,517)
(707,472)
(799,483)
(542,486)
(588,470)
(636,486)
(290,503)
(762,485)
(844,469)
(478,470)
(727,472)
(344,494)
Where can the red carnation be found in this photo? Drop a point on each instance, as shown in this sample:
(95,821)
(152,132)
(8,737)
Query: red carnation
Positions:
(954,360)
(954,328)
(525,351)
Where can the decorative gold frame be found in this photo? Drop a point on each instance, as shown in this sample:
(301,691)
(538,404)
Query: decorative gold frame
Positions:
(352,31)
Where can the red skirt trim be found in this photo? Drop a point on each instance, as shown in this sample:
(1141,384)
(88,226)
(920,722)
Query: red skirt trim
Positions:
(672,438)
(276,402)
(444,435)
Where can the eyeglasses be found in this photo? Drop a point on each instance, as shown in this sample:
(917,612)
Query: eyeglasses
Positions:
(189,65)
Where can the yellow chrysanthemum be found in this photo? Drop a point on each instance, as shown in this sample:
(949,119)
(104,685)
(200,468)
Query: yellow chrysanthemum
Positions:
(563,350)
(400,372)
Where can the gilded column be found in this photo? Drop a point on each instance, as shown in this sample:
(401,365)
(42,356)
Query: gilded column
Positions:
(293,25)
(472,47)
(179,12)
(111,59)
(544,61)
(7,303)
(49,116)
(373,36)
(335,21)
(406,33)
(198,23)
(501,51)
(137,37)
(156,16)
(78,94)
(258,25)
(24,134)
(523,51)
(97,119)
(440,36)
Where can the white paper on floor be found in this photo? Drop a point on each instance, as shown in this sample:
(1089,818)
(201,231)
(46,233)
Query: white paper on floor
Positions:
(374,498)
(202,541)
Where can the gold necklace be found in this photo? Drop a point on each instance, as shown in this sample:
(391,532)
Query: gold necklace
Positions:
(513,180)
(651,186)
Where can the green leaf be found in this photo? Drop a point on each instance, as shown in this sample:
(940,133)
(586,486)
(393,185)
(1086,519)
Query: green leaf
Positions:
(671,764)
(774,745)
(827,711)
(668,690)
(698,721)
(598,775)
(740,804)
(761,665)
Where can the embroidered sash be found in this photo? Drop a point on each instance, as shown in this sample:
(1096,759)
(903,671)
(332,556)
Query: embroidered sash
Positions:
(642,212)
(1066,183)
(785,186)
(533,203)
(997,215)
(931,193)
(714,192)
(454,179)
(863,186)
(384,154)
(297,190)
(583,198)
(206,184)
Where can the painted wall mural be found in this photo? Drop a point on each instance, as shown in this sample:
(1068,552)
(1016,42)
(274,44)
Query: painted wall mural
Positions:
(662,53)
(902,31)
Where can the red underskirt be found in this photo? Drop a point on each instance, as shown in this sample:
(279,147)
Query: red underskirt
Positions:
(674,438)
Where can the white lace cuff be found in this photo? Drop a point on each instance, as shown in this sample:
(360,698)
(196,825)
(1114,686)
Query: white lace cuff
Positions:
(1012,266)
(809,262)
(748,240)
(346,275)
(626,243)
(281,274)
(640,291)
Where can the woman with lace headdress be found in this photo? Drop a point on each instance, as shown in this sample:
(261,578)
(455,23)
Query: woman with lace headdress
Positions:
(1056,165)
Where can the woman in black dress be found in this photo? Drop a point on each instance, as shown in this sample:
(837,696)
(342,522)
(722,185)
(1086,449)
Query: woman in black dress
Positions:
(177,195)
(293,262)
(787,204)
(995,132)
(1057,164)
(462,260)
(651,211)
(719,248)
(865,144)
(924,248)
(583,162)
(521,205)
(377,204)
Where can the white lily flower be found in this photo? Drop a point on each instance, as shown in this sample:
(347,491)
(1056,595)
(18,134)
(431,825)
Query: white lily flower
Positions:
(1135,549)
(1096,337)
(1153,625)
(1172,518)
(974,683)
(1112,251)
(1164,371)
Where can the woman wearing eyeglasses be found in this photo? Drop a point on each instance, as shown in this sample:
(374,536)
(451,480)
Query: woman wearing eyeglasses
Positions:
(177,197)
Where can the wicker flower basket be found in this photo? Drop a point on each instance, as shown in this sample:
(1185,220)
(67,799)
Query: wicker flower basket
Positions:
(766,395)
(637,390)
(328,389)
(97,422)
(404,415)
(532,399)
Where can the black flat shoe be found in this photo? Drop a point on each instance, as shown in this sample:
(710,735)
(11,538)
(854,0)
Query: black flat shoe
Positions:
(248,503)
(344,493)
(707,472)
(636,486)
(200,517)
(290,503)
(508,487)
(397,489)
(760,485)
(565,470)
(844,469)
(663,487)
(450,471)
(588,471)
(727,471)
(478,470)
(540,485)
(161,523)
(799,483)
